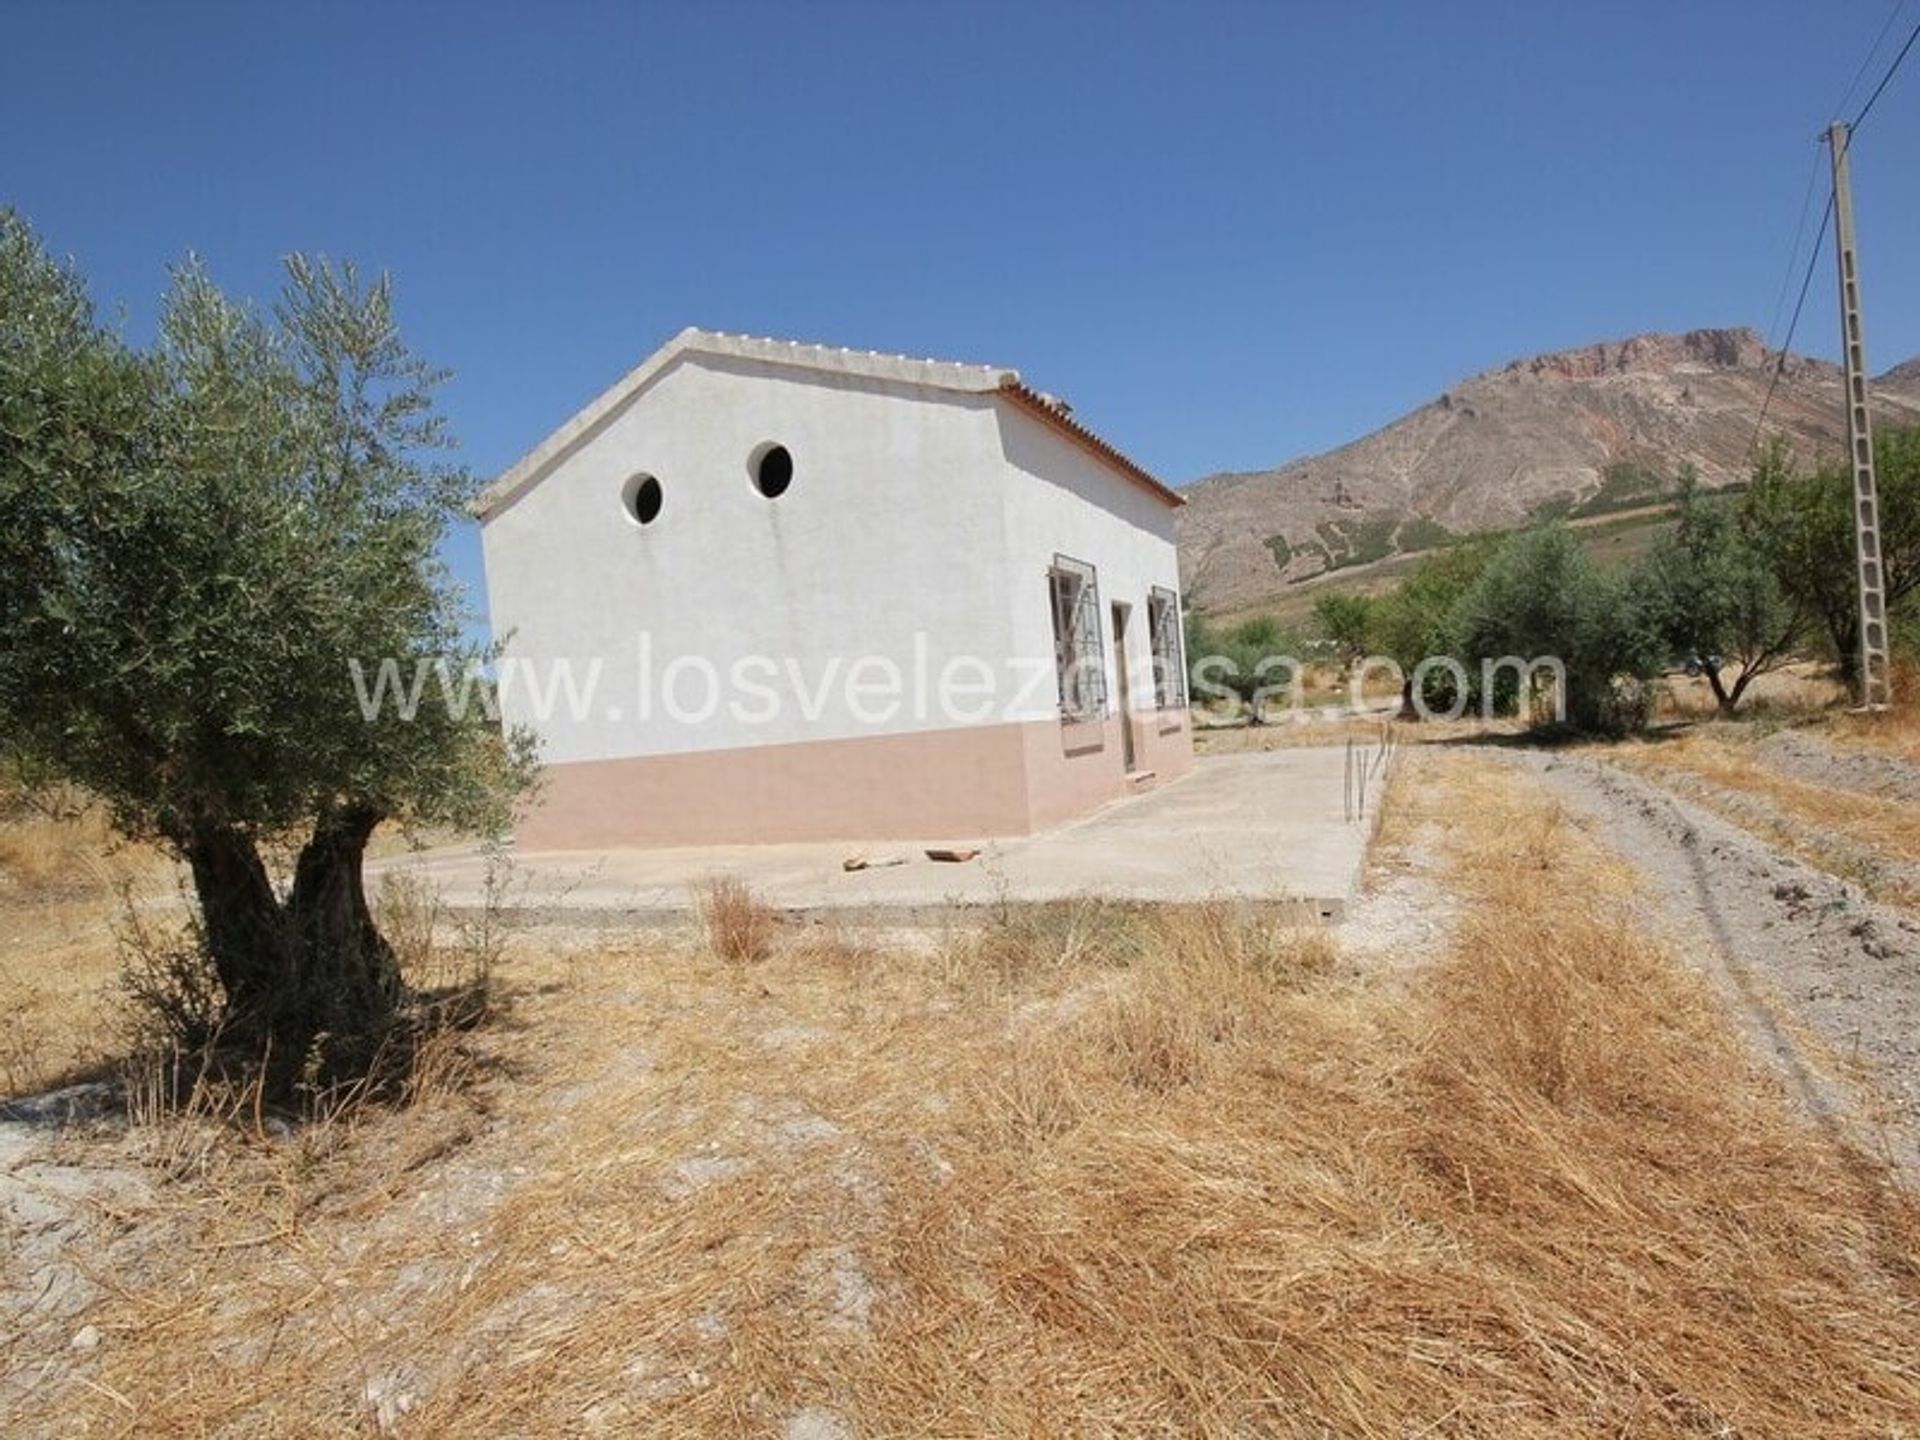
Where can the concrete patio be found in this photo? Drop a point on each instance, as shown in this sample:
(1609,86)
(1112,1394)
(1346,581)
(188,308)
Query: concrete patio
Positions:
(1280,825)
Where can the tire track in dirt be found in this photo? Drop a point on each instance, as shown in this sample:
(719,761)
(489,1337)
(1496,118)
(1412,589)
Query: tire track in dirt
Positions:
(1791,948)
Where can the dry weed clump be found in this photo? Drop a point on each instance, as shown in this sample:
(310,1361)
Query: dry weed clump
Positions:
(1029,943)
(1201,997)
(740,928)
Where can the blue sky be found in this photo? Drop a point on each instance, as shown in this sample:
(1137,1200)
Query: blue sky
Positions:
(1231,234)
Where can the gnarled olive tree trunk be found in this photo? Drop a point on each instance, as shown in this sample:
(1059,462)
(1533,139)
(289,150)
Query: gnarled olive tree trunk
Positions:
(240,916)
(295,970)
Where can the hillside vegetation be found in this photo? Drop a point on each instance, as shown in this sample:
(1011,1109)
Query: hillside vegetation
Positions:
(1731,584)
(1576,434)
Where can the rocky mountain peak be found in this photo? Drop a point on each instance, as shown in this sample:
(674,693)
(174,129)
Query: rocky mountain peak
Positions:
(1582,432)
(1736,348)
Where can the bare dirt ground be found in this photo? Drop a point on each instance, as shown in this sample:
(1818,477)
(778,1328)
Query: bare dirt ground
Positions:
(1867,840)
(1813,757)
(1824,981)
(1405,914)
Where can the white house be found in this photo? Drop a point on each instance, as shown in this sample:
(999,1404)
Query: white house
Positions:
(767,591)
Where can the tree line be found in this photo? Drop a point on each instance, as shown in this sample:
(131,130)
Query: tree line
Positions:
(1738,586)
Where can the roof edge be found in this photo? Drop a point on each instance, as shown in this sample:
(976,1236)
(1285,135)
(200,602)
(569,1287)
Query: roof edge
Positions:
(1050,413)
(867,364)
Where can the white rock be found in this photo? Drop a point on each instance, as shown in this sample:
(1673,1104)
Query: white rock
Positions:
(816,1424)
(390,1396)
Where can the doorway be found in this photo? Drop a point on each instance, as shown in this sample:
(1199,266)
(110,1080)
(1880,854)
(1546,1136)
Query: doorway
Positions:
(1125,707)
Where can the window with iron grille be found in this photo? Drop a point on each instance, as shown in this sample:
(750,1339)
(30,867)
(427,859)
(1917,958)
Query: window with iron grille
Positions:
(1073,592)
(1169,658)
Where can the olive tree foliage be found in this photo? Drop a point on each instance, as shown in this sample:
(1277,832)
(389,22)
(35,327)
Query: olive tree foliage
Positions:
(1714,592)
(1420,620)
(194,541)
(1802,522)
(1345,620)
(1249,662)
(1542,596)
(1904,620)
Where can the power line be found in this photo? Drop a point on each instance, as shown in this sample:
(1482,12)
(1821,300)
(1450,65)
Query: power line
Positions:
(1826,219)
(1866,61)
(1793,255)
(1806,280)
(1912,36)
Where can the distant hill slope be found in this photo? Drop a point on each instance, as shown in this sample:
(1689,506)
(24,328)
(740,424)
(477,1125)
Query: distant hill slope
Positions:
(1581,432)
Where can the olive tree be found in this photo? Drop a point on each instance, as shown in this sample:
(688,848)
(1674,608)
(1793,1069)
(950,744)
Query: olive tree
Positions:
(1249,662)
(1346,621)
(1418,622)
(1541,596)
(1715,595)
(1802,521)
(195,540)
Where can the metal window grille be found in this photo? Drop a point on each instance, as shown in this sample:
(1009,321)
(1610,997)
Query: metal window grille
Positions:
(1073,592)
(1169,660)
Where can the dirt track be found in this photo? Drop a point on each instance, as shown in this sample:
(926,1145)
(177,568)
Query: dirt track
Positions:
(1825,982)
(1805,755)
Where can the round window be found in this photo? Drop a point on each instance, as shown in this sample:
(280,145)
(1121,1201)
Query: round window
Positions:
(641,498)
(772,469)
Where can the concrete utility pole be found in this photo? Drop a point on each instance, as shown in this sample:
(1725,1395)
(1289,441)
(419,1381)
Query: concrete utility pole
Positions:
(1876,686)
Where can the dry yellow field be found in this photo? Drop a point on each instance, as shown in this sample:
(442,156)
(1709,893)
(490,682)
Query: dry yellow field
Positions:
(1090,1169)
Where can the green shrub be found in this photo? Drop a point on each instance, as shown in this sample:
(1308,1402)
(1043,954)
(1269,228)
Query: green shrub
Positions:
(1419,532)
(1541,596)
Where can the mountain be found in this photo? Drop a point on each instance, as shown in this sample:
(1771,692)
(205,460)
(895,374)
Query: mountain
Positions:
(1581,432)
(1903,378)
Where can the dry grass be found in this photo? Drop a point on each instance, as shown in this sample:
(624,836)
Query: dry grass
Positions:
(1809,693)
(1547,1197)
(1795,692)
(70,893)
(740,928)
(59,964)
(1286,734)
(1894,732)
(1799,693)
(57,845)
(1094,1169)
(64,883)
(52,846)
(57,969)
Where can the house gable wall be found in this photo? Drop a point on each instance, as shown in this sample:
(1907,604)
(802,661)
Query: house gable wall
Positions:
(919,527)
(889,542)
